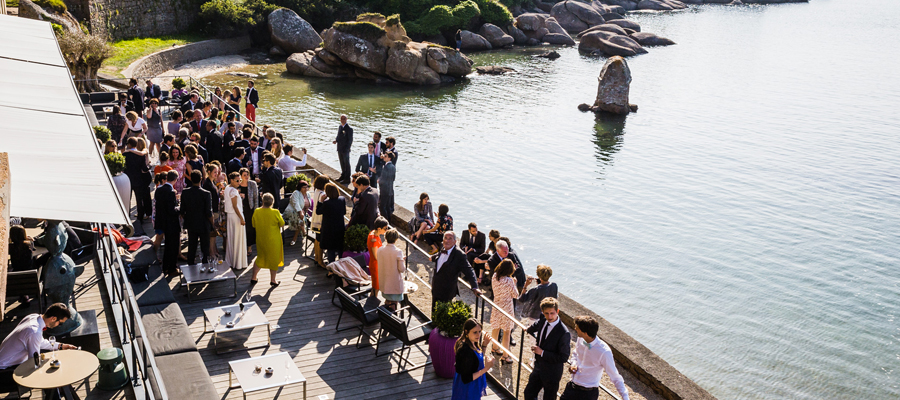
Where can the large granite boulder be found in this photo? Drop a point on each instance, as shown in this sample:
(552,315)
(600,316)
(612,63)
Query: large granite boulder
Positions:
(575,16)
(301,64)
(627,5)
(367,54)
(613,87)
(626,23)
(650,39)
(407,63)
(609,44)
(496,36)
(474,41)
(559,38)
(607,8)
(292,33)
(531,21)
(613,28)
(660,5)
(517,34)
(553,26)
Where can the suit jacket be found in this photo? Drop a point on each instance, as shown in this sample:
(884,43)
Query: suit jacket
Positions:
(187,105)
(196,209)
(248,158)
(153,92)
(203,153)
(136,95)
(233,166)
(197,126)
(214,146)
(271,180)
(443,284)
(556,347)
(344,138)
(137,170)
(362,165)
(166,209)
(253,96)
(396,153)
(479,245)
(520,276)
(366,209)
(386,180)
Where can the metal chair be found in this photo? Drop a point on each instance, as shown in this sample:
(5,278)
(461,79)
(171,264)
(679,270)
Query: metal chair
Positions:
(391,324)
(365,315)
(26,283)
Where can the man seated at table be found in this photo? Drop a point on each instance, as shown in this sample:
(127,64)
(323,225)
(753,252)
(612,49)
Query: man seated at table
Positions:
(27,338)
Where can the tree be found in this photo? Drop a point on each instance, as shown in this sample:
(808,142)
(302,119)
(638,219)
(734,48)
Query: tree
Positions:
(85,54)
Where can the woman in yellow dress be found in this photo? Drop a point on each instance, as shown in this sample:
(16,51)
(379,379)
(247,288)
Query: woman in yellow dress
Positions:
(269,250)
(373,243)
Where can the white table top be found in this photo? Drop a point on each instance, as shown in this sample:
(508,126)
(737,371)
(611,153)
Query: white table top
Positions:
(253,317)
(75,365)
(281,363)
(192,273)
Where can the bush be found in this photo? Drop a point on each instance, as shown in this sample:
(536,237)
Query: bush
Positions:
(493,12)
(292,181)
(56,5)
(178,83)
(363,30)
(355,238)
(58,29)
(102,133)
(449,317)
(233,17)
(438,18)
(464,12)
(115,162)
(12,3)
(321,14)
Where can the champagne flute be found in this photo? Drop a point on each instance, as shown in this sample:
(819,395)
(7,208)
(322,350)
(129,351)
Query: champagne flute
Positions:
(52,340)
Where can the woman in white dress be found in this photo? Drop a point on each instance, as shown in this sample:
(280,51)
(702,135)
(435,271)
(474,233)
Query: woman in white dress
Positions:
(236,246)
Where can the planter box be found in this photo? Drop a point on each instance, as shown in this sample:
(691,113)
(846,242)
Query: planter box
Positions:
(443,358)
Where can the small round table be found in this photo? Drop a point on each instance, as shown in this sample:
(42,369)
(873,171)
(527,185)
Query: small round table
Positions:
(75,365)
(410,287)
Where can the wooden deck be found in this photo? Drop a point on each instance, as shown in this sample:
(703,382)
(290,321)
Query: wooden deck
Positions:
(89,295)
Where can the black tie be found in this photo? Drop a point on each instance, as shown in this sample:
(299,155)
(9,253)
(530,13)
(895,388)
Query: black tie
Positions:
(543,333)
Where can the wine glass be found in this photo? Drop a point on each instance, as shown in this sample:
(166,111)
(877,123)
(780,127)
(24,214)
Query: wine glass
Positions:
(52,340)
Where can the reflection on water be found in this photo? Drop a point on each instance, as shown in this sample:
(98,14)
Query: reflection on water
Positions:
(748,231)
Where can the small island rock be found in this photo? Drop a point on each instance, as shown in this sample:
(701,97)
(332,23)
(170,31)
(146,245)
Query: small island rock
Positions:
(613,87)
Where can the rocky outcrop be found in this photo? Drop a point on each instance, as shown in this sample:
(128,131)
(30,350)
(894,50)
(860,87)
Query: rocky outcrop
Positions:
(613,87)
(276,51)
(658,5)
(368,51)
(609,44)
(517,34)
(649,39)
(494,70)
(618,30)
(474,41)
(576,16)
(292,33)
(552,55)
(495,36)
(606,7)
(627,24)
(28,9)
(559,38)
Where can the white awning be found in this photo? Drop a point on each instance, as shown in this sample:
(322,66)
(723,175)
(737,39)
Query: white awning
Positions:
(56,166)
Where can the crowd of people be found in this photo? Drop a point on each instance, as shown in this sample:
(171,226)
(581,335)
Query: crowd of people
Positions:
(207,174)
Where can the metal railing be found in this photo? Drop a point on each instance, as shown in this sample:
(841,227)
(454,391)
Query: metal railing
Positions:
(138,357)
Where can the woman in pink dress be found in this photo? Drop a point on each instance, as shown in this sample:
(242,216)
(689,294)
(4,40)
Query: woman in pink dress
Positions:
(504,287)
(177,162)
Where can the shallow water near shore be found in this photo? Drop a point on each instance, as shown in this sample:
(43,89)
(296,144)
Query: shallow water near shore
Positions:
(743,224)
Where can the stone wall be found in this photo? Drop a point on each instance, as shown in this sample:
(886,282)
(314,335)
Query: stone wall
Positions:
(123,19)
(165,60)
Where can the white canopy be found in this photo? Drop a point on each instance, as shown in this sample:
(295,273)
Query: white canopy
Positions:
(56,166)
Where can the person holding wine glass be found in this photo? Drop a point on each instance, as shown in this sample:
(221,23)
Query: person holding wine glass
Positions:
(27,338)
(470,382)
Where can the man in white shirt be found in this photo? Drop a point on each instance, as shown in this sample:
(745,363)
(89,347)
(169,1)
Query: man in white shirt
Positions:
(289,162)
(27,338)
(592,356)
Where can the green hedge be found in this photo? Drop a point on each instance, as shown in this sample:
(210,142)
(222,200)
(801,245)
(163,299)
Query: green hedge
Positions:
(231,17)
(495,13)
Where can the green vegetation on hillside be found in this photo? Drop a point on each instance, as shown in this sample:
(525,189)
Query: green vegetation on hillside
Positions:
(56,5)
(126,51)
(230,17)
(12,3)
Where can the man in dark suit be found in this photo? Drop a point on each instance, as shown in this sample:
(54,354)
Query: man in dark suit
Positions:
(473,242)
(550,353)
(252,103)
(386,186)
(201,151)
(370,165)
(213,142)
(191,104)
(197,123)
(235,164)
(505,252)
(366,208)
(380,146)
(139,177)
(136,95)
(229,136)
(196,209)
(448,264)
(167,221)
(152,91)
(271,178)
(253,157)
(390,145)
(124,104)
(168,142)
(343,141)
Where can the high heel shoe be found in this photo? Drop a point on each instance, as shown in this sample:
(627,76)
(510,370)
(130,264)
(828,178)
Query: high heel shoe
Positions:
(253,282)
(275,284)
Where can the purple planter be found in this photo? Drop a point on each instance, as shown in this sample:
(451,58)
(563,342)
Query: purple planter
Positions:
(443,358)
(352,254)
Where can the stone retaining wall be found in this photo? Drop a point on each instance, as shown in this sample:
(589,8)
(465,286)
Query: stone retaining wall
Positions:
(123,19)
(162,61)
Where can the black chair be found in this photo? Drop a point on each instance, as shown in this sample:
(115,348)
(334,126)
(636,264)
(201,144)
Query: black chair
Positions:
(9,385)
(393,325)
(364,313)
(103,98)
(25,283)
(85,98)
(339,281)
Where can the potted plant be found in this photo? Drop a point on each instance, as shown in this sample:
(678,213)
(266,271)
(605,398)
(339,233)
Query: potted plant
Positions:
(449,318)
(178,85)
(355,241)
(292,181)
(102,133)
(115,162)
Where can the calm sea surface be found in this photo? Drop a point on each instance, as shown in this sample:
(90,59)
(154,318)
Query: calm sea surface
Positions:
(744,224)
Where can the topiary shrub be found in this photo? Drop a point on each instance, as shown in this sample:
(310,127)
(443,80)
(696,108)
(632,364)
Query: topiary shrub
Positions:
(493,12)
(449,317)
(178,83)
(102,133)
(363,30)
(115,162)
(355,238)
(292,181)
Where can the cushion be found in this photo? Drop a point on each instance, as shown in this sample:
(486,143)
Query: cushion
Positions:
(153,291)
(185,377)
(166,329)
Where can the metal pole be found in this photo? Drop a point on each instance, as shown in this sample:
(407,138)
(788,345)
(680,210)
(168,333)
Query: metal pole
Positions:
(519,374)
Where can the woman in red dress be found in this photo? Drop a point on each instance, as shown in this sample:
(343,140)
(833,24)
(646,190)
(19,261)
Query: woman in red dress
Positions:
(373,243)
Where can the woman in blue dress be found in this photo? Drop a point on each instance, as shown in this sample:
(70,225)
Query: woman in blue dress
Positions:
(469,383)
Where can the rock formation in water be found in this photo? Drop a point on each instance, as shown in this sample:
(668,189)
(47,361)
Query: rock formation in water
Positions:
(382,53)
(494,70)
(612,90)
(291,33)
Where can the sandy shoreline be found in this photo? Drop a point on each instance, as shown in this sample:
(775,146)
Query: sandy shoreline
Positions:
(204,68)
